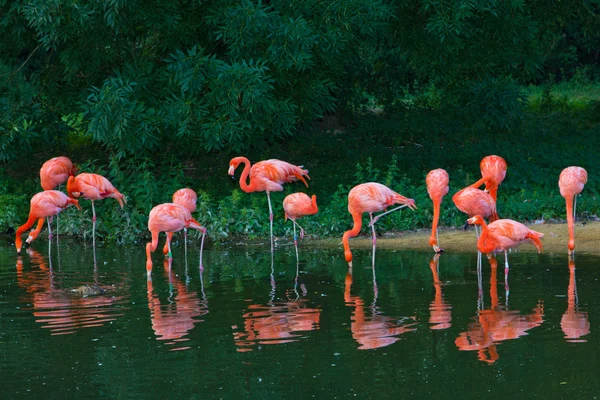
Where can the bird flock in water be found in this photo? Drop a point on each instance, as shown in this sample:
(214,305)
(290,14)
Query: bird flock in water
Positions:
(499,235)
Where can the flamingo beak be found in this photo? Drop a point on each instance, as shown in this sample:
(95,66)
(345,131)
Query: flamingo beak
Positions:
(231,171)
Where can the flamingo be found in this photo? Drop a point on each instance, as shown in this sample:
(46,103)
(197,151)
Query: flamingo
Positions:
(45,204)
(55,172)
(267,176)
(370,197)
(502,235)
(493,169)
(297,205)
(473,201)
(93,187)
(571,182)
(437,187)
(186,198)
(169,217)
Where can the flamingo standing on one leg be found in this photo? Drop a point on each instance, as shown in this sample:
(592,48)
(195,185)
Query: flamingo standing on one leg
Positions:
(53,173)
(93,187)
(297,205)
(45,204)
(168,218)
(493,170)
(473,201)
(502,235)
(267,176)
(186,198)
(370,197)
(571,183)
(437,187)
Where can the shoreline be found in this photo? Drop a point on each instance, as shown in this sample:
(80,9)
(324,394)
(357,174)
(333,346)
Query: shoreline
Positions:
(556,236)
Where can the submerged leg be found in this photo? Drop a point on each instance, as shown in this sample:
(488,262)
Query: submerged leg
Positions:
(270,219)
(49,219)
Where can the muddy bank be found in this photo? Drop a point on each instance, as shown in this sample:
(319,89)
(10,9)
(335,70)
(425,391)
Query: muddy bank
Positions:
(587,239)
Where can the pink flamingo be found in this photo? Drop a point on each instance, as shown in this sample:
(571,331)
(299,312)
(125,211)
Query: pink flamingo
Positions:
(297,205)
(169,217)
(504,234)
(53,173)
(571,183)
(93,187)
(473,201)
(267,176)
(370,197)
(437,187)
(493,170)
(45,204)
(186,198)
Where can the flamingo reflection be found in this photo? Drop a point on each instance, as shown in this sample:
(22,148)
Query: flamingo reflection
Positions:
(440,312)
(574,323)
(277,322)
(374,330)
(58,309)
(496,324)
(173,320)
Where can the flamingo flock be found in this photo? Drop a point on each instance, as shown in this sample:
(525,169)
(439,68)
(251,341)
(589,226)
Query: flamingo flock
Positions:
(496,235)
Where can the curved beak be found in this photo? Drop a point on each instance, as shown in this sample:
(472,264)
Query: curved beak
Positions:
(231,171)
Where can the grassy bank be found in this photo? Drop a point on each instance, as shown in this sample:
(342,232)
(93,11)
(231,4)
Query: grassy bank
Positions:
(560,127)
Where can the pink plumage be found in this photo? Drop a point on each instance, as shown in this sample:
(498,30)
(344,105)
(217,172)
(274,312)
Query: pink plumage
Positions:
(55,172)
(187,198)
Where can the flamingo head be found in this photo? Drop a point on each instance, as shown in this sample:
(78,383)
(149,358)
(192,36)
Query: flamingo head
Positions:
(476,220)
(233,164)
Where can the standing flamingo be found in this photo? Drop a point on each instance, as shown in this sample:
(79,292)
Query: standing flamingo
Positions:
(93,187)
(169,217)
(370,197)
(45,204)
(473,201)
(437,187)
(268,176)
(571,182)
(504,234)
(55,172)
(493,170)
(297,205)
(186,198)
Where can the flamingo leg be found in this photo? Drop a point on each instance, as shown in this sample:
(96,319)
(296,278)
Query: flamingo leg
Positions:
(296,243)
(169,254)
(301,230)
(201,249)
(93,224)
(49,220)
(373,221)
(270,219)
(506,274)
(185,242)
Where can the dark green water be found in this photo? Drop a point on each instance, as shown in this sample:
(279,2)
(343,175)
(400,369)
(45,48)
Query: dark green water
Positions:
(244,328)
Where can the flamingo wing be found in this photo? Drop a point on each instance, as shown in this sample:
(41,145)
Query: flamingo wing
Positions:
(168,217)
(507,233)
(473,202)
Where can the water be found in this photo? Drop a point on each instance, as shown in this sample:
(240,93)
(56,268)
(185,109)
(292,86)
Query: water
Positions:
(249,328)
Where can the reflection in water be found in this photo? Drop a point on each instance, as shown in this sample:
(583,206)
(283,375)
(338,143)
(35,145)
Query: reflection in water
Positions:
(173,320)
(59,309)
(374,330)
(277,321)
(496,324)
(440,312)
(574,323)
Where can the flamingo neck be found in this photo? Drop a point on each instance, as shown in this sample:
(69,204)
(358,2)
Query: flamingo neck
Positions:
(482,244)
(570,223)
(244,177)
(436,217)
(357,218)
(479,183)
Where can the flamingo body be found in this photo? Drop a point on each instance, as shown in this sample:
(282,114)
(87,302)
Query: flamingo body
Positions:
(571,183)
(297,205)
(504,234)
(267,176)
(473,201)
(187,198)
(437,187)
(56,171)
(493,169)
(45,204)
(369,197)
(93,187)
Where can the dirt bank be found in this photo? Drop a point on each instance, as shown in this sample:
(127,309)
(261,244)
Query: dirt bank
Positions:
(587,239)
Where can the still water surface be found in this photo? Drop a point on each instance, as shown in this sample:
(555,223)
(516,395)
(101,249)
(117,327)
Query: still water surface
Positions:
(252,327)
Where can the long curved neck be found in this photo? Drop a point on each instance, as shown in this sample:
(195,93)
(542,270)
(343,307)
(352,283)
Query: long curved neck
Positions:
(434,225)
(20,230)
(357,218)
(244,177)
(479,183)
(570,223)
(483,238)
